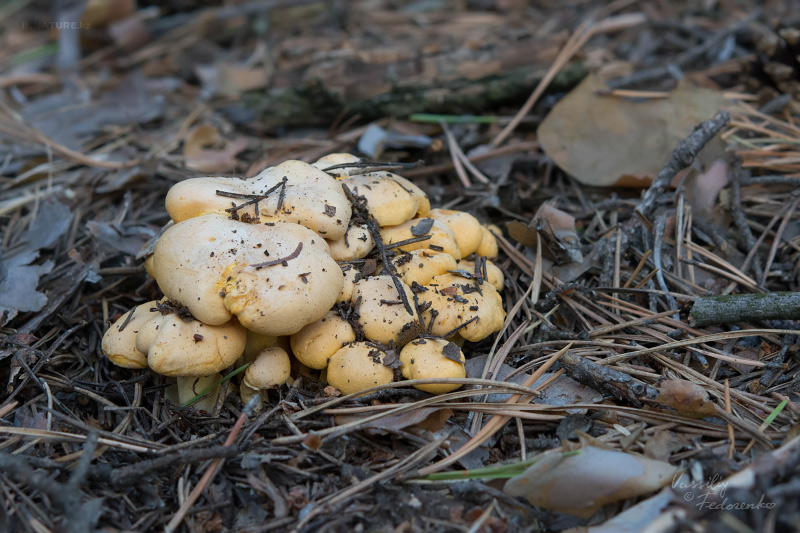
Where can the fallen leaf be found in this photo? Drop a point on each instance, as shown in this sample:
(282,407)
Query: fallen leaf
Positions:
(19,278)
(605,140)
(580,482)
(205,150)
(560,240)
(689,399)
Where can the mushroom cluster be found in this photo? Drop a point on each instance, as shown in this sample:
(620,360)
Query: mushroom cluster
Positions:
(338,266)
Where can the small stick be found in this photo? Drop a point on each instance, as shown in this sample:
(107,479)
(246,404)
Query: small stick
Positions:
(729,309)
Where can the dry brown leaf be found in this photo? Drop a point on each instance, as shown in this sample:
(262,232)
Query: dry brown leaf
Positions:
(689,399)
(428,418)
(605,140)
(580,482)
(559,236)
(205,150)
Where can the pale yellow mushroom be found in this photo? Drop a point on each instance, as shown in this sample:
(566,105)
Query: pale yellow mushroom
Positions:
(421,265)
(335,159)
(357,243)
(300,193)
(475,309)
(356,367)
(381,311)
(493,273)
(433,358)
(351,276)
(317,342)
(488,247)
(391,199)
(275,278)
(179,347)
(442,238)
(119,341)
(465,227)
(271,368)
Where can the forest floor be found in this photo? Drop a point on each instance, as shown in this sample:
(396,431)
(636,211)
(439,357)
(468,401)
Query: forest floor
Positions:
(650,295)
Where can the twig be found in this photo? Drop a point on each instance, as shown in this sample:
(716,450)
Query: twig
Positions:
(734,308)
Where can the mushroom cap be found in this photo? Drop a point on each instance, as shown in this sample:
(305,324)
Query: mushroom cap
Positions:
(421,265)
(339,158)
(177,347)
(466,228)
(317,342)
(218,267)
(457,301)
(488,245)
(442,237)
(356,367)
(493,273)
(310,197)
(382,314)
(271,368)
(391,199)
(351,276)
(425,358)
(357,243)
(120,346)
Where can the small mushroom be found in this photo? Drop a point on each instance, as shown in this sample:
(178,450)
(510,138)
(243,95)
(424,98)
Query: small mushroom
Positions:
(459,304)
(351,276)
(358,366)
(493,273)
(381,310)
(356,244)
(391,199)
(292,191)
(421,265)
(275,278)
(488,247)
(442,238)
(179,347)
(271,368)
(317,342)
(119,341)
(433,358)
(465,227)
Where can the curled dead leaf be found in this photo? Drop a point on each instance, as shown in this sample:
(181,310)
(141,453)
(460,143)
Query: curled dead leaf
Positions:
(689,399)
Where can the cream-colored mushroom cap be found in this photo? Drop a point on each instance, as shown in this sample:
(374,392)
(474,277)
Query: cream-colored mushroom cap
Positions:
(466,228)
(309,197)
(179,347)
(442,237)
(460,301)
(391,199)
(488,247)
(275,278)
(317,342)
(381,311)
(421,265)
(356,244)
(433,358)
(271,368)
(357,367)
(493,273)
(351,276)
(119,343)
(334,159)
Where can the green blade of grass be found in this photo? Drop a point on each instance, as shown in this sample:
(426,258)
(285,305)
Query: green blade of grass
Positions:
(774,414)
(219,382)
(452,119)
(503,471)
